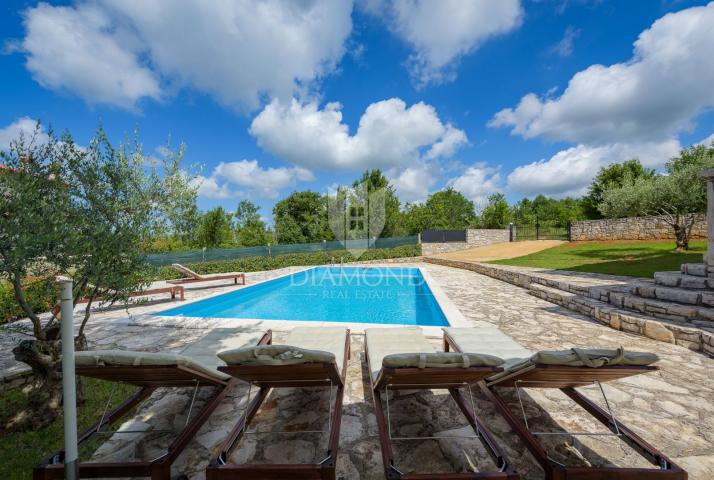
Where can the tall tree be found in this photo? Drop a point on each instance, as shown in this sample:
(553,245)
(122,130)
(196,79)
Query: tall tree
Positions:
(444,210)
(250,229)
(181,215)
(375,180)
(496,213)
(302,218)
(612,176)
(81,212)
(214,229)
(677,196)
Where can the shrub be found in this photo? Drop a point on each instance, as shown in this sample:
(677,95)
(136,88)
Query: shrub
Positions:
(41,295)
(254,264)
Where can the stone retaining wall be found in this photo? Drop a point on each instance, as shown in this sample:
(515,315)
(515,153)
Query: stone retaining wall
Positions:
(474,238)
(631,228)
(589,301)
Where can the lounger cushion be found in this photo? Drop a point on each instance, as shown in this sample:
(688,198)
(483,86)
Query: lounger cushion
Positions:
(595,357)
(440,360)
(132,358)
(490,341)
(186,271)
(382,342)
(326,339)
(204,350)
(275,355)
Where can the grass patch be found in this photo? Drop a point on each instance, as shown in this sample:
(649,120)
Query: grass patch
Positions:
(21,451)
(636,258)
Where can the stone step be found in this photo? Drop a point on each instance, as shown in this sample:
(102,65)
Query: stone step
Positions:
(680,333)
(696,269)
(663,309)
(679,279)
(672,294)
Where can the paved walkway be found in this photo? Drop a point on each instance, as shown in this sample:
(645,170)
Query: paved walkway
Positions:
(673,408)
(500,251)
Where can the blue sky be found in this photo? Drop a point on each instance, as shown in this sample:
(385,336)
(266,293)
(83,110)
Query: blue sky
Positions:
(521,97)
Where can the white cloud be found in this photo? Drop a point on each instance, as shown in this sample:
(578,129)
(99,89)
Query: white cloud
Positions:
(251,178)
(478,182)
(657,93)
(209,187)
(565,46)
(389,134)
(24,126)
(118,52)
(441,32)
(707,141)
(77,49)
(414,183)
(569,172)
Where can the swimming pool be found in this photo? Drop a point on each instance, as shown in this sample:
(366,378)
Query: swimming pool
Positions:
(384,295)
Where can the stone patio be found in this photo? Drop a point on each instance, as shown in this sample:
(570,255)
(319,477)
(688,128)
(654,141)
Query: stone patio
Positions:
(672,408)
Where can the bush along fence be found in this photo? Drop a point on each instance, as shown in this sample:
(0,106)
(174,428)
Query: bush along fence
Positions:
(195,256)
(272,262)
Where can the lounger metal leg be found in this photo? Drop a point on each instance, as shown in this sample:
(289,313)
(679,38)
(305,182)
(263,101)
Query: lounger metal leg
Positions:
(612,421)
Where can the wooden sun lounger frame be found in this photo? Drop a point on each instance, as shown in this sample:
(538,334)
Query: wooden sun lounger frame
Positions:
(566,379)
(268,377)
(148,378)
(437,378)
(206,278)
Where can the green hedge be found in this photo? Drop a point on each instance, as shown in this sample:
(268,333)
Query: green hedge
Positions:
(254,264)
(42,294)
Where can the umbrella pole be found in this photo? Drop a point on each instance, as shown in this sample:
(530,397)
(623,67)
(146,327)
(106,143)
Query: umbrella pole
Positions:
(69,387)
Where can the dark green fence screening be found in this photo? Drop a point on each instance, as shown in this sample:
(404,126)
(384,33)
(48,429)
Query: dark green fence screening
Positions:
(195,256)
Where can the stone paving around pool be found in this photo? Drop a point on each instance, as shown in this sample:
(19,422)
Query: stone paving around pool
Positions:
(672,408)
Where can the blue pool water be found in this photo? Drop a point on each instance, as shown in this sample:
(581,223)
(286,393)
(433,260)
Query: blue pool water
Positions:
(397,296)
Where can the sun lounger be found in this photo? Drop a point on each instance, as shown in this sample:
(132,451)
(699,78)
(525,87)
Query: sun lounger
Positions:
(195,367)
(565,370)
(193,277)
(401,358)
(310,357)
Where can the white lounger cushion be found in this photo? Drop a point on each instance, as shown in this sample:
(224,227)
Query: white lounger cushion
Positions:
(440,360)
(186,271)
(132,358)
(593,357)
(388,341)
(200,355)
(330,340)
(491,341)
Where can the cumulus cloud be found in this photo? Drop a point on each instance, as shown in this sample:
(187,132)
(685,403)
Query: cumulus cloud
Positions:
(414,183)
(77,49)
(24,126)
(478,182)
(389,134)
(645,99)
(569,172)
(119,52)
(441,32)
(250,178)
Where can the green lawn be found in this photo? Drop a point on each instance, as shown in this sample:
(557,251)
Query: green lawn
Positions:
(623,257)
(21,451)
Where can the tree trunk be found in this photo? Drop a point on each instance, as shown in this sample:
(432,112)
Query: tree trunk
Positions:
(45,399)
(681,234)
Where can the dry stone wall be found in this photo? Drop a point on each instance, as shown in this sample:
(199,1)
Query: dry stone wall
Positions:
(631,228)
(474,238)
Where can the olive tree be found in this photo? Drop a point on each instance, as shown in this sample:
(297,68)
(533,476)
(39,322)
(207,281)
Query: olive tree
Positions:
(677,195)
(81,212)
